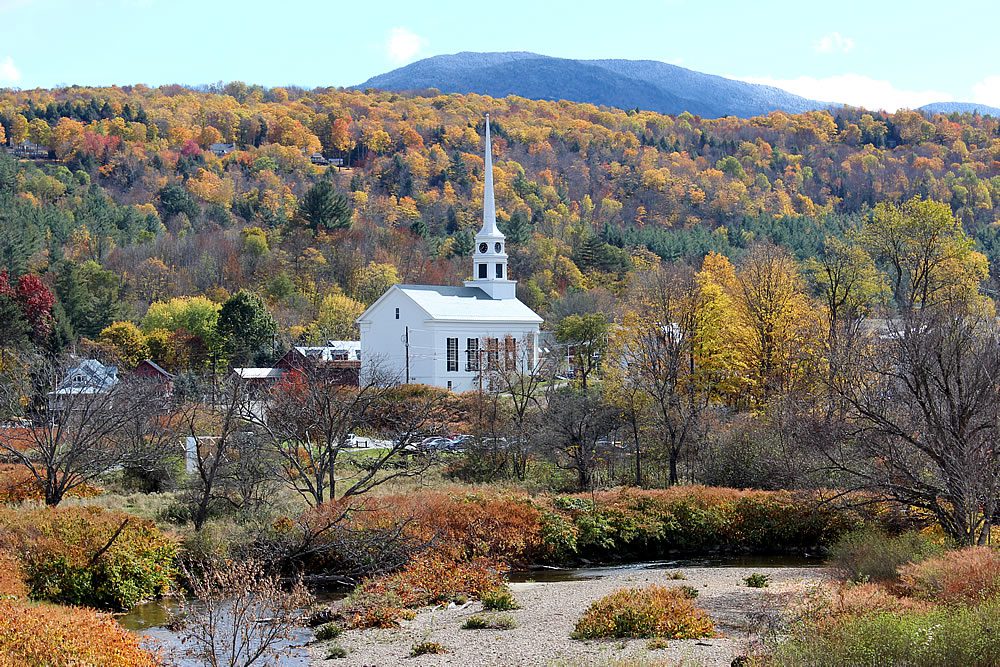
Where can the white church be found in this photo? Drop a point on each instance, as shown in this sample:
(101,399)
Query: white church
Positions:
(452,337)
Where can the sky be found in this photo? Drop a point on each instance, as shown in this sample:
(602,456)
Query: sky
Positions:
(887,54)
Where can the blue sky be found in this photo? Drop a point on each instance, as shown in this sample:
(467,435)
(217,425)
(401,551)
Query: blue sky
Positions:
(885,54)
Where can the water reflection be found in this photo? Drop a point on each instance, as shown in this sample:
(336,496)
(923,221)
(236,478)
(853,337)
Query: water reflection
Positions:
(551,575)
(151,619)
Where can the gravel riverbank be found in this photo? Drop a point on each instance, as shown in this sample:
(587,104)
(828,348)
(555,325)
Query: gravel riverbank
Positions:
(550,609)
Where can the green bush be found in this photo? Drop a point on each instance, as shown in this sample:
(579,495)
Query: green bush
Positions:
(945,636)
(336,652)
(428,648)
(89,557)
(499,599)
(489,622)
(328,632)
(650,524)
(871,555)
(689,592)
(757,580)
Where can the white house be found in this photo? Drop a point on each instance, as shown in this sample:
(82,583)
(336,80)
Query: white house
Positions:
(450,336)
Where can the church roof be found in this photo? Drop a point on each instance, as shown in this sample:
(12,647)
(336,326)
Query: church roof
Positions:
(463,304)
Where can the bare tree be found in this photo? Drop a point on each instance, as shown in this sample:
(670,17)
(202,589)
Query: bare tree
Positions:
(81,427)
(574,426)
(230,470)
(515,384)
(922,428)
(240,614)
(310,420)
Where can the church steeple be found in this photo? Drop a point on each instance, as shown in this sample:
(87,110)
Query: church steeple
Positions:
(489,257)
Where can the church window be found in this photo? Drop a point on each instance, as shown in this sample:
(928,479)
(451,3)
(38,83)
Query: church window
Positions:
(482,270)
(397,313)
(499,270)
(472,354)
(452,354)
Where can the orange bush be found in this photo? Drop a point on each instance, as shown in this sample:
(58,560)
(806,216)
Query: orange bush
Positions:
(505,527)
(653,611)
(18,485)
(428,579)
(968,576)
(41,635)
(11,577)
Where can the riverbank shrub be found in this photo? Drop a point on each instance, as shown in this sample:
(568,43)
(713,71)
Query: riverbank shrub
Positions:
(643,613)
(643,524)
(429,579)
(499,599)
(88,556)
(872,555)
(42,635)
(967,576)
(964,635)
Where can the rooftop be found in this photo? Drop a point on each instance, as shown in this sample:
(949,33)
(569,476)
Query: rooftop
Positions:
(465,304)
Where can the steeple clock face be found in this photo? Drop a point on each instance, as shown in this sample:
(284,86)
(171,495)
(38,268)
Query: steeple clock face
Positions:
(497,247)
(483,247)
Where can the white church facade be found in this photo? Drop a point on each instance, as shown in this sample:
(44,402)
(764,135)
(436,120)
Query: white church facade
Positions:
(453,337)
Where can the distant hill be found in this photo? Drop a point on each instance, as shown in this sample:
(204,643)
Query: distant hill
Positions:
(961,107)
(626,84)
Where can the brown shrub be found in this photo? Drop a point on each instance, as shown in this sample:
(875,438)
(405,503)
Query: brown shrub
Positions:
(505,527)
(37,635)
(966,576)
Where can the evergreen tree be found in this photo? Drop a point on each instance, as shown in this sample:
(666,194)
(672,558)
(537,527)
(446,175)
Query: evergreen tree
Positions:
(325,208)
(517,229)
(246,328)
(464,242)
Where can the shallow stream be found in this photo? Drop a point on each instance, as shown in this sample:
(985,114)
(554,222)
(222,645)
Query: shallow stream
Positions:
(151,619)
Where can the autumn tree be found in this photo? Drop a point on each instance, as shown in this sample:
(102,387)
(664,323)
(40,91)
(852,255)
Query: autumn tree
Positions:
(925,254)
(125,342)
(779,321)
(652,359)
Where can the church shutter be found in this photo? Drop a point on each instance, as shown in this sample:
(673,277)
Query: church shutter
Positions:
(452,354)
(492,353)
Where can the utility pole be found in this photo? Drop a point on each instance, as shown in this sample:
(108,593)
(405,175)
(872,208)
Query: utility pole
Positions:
(407,343)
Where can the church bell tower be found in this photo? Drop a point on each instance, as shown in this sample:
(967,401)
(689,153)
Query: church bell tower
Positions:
(489,257)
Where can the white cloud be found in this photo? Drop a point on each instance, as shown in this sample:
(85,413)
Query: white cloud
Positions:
(987,91)
(855,90)
(9,74)
(402,45)
(834,43)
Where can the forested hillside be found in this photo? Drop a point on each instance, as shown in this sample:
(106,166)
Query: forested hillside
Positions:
(132,208)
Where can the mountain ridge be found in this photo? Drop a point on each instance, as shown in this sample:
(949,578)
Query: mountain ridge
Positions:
(626,84)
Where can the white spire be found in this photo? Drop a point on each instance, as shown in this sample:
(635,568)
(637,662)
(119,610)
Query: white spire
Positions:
(489,204)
